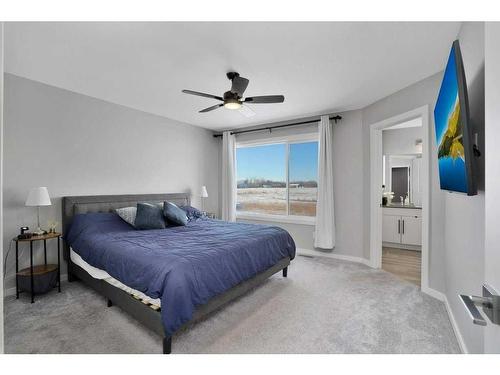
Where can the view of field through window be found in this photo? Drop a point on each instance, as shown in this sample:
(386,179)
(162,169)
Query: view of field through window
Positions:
(261,179)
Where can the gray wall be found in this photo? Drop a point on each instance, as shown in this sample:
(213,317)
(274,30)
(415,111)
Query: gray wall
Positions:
(400,141)
(348,185)
(414,96)
(464,216)
(492,181)
(78,145)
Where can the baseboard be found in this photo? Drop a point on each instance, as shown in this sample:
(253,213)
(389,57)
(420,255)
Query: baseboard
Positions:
(12,291)
(325,254)
(402,246)
(434,293)
(456,330)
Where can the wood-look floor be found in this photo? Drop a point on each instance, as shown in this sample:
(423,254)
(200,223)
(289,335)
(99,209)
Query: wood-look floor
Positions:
(405,264)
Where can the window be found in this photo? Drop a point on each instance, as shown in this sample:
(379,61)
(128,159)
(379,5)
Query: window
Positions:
(277,178)
(303,178)
(261,179)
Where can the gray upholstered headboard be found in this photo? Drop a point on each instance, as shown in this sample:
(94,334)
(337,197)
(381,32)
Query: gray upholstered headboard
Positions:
(107,203)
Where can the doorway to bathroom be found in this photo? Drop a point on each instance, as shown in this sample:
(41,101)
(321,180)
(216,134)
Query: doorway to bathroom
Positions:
(399,180)
(401,218)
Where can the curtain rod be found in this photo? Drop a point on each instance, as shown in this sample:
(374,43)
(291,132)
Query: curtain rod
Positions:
(270,128)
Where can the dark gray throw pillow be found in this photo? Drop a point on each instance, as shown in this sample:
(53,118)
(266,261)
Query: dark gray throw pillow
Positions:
(174,214)
(149,216)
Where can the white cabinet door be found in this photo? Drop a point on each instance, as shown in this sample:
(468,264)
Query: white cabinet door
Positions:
(390,228)
(411,230)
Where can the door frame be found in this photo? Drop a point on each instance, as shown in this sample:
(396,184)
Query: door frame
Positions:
(376,188)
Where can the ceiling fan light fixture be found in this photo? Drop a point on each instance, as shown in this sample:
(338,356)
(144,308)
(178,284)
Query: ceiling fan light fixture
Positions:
(233,99)
(232,104)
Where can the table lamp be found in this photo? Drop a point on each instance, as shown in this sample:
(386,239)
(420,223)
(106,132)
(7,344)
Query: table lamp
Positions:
(204,194)
(37,197)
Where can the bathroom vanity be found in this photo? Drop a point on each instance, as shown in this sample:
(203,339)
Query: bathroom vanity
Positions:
(402,226)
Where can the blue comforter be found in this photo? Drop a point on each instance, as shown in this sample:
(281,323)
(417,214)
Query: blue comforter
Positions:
(185,266)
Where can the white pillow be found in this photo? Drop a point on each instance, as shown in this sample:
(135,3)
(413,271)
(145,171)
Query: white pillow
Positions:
(128,214)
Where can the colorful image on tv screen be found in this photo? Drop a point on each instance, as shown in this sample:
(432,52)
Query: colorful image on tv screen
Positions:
(449,132)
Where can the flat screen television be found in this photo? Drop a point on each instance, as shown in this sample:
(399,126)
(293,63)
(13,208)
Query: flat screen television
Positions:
(453,129)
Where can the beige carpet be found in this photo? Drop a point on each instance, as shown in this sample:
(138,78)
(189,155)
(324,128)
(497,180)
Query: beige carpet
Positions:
(324,306)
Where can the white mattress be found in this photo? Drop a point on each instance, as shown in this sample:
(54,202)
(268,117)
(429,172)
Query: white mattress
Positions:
(97,273)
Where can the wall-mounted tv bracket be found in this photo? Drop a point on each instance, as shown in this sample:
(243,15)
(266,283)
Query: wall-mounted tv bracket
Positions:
(475,149)
(490,302)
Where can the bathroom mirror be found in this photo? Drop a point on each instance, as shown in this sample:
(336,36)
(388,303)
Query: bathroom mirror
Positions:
(401,176)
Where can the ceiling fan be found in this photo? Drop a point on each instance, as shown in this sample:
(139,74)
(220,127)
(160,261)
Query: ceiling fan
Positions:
(233,99)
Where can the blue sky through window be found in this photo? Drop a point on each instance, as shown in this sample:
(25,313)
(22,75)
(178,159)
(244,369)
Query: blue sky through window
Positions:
(303,161)
(268,162)
(261,162)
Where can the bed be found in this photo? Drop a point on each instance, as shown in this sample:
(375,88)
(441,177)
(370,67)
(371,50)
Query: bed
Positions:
(170,278)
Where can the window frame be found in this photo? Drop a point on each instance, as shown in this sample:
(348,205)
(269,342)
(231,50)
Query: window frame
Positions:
(287,140)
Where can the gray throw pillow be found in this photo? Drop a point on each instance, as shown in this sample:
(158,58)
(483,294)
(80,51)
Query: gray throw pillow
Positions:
(128,214)
(149,216)
(174,214)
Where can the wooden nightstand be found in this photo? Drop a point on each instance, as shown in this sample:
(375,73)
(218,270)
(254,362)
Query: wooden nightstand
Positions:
(32,270)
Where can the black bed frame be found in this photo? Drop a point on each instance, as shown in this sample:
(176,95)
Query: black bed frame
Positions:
(142,312)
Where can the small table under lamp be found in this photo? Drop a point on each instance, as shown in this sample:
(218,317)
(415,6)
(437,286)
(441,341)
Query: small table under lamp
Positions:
(204,194)
(37,197)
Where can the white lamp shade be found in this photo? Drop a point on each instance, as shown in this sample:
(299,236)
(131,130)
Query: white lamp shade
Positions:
(204,192)
(38,196)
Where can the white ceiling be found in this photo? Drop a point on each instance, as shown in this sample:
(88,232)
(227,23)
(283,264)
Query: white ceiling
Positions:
(319,67)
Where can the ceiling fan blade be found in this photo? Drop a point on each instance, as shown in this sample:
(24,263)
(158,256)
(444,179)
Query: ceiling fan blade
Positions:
(246,111)
(211,108)
(202,94)
(265,99)
(239,85)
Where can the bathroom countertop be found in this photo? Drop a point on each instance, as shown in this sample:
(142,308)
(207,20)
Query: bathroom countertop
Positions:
(398,205)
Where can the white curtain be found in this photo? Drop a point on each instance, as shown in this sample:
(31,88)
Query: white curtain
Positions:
(324,233)
(228,177)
